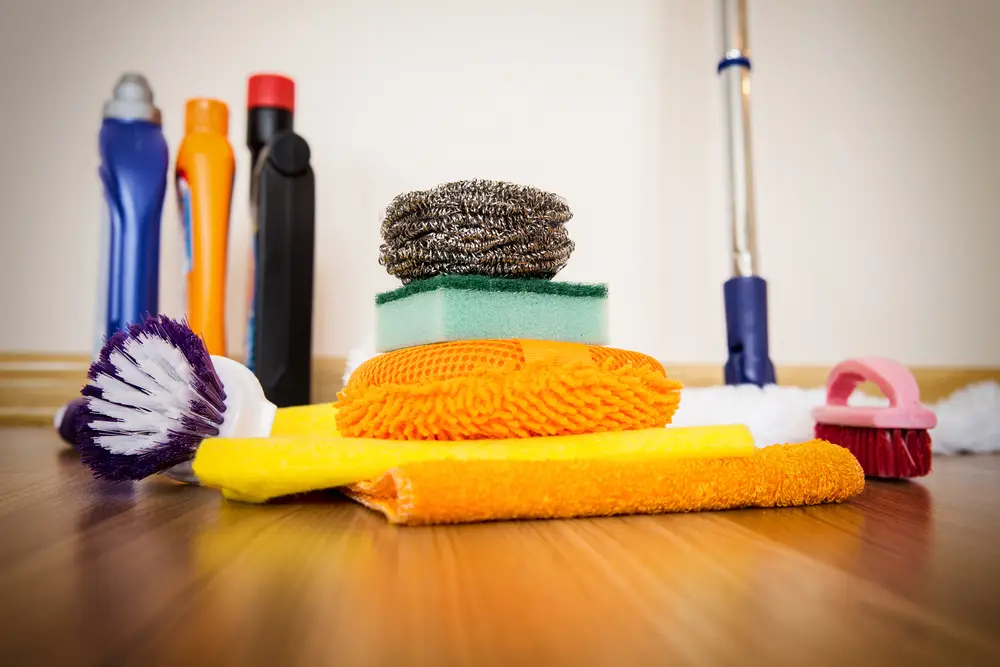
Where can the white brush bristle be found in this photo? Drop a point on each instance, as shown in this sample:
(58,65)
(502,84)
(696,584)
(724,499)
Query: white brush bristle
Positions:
(151,411)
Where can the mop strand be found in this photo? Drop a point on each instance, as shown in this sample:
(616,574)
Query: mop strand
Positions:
(968,420)
(476,227)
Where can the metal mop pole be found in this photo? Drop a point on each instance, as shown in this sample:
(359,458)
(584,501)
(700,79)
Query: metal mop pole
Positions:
(745,293)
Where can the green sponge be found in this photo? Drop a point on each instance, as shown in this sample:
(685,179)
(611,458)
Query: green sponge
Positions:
(447,307)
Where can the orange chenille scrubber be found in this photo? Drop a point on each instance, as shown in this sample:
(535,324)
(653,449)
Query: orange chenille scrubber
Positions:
(505,388)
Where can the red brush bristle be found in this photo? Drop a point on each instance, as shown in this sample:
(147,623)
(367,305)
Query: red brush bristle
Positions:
(893,453)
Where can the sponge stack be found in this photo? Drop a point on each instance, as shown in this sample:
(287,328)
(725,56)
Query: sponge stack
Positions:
(477,259)
(480,342)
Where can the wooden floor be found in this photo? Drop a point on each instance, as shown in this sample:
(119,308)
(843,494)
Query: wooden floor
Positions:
(156,574)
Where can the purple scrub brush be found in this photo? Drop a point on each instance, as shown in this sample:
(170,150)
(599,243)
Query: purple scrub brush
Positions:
(154,394)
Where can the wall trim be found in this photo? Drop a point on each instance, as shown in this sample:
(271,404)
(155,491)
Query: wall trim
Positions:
(34,386)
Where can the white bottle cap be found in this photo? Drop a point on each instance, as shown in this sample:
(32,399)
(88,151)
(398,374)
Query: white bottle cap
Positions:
(132,100)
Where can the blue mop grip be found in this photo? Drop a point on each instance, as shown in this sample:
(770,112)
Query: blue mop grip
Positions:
(746,331)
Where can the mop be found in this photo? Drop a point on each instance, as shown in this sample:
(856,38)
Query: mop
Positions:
(967,421)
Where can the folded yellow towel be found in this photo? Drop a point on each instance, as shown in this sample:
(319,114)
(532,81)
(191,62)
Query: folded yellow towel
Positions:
(457,492)
(309,420)
(256,470)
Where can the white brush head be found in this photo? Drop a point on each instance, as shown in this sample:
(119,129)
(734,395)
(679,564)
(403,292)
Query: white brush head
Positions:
(248,413)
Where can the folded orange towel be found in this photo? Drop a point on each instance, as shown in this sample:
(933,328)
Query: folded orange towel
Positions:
(434,492)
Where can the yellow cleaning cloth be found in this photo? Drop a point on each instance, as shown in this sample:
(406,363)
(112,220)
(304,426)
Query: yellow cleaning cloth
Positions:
(256,470)
(318,419)
(458,492)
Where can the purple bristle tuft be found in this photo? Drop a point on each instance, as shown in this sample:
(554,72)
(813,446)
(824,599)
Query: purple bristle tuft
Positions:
(153,395)
(129,467)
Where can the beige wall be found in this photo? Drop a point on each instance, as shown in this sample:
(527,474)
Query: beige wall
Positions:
(876,127)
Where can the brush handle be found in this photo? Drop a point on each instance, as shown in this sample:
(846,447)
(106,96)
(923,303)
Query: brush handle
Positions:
(892,378)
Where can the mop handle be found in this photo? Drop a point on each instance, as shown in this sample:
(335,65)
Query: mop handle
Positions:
(734,70)
(745,293)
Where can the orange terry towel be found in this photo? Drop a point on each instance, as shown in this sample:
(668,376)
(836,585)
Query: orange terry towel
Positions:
(438,492)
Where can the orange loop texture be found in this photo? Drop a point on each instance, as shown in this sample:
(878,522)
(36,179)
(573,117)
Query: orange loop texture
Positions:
(467,390)
(437,492)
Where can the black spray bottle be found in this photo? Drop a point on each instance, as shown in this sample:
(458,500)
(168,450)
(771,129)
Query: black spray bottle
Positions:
(282,205)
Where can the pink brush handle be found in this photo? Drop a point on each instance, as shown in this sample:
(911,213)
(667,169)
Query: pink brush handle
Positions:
(892,378)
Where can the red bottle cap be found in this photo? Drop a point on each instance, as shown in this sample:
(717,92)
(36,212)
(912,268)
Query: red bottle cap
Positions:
(271,90)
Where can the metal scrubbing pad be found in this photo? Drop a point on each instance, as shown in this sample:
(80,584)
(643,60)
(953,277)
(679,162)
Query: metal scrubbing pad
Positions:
(476,227)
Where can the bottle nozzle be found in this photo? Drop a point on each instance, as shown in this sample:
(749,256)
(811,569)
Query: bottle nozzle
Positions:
(202,113)
(132,100)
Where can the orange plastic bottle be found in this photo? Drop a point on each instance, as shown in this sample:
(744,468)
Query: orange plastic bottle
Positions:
(204,183)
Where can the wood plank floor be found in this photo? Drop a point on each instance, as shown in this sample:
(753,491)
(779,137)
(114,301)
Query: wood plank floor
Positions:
(156,574)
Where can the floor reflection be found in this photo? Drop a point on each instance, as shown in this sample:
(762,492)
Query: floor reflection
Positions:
(898,535)
(132,555)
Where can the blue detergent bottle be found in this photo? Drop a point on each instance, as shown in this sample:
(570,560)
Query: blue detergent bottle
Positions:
(133,171)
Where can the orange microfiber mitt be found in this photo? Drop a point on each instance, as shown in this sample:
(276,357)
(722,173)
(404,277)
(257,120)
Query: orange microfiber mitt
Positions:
(466,491)
(488,389)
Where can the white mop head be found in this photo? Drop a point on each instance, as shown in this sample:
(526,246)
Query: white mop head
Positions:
(968,420)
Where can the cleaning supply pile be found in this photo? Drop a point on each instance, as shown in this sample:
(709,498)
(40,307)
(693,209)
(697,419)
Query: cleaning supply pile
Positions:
(506,404)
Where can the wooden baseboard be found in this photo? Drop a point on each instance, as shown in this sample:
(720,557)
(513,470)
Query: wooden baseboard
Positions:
(34,386)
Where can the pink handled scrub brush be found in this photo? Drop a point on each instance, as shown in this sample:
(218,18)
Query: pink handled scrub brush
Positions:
(891,441)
